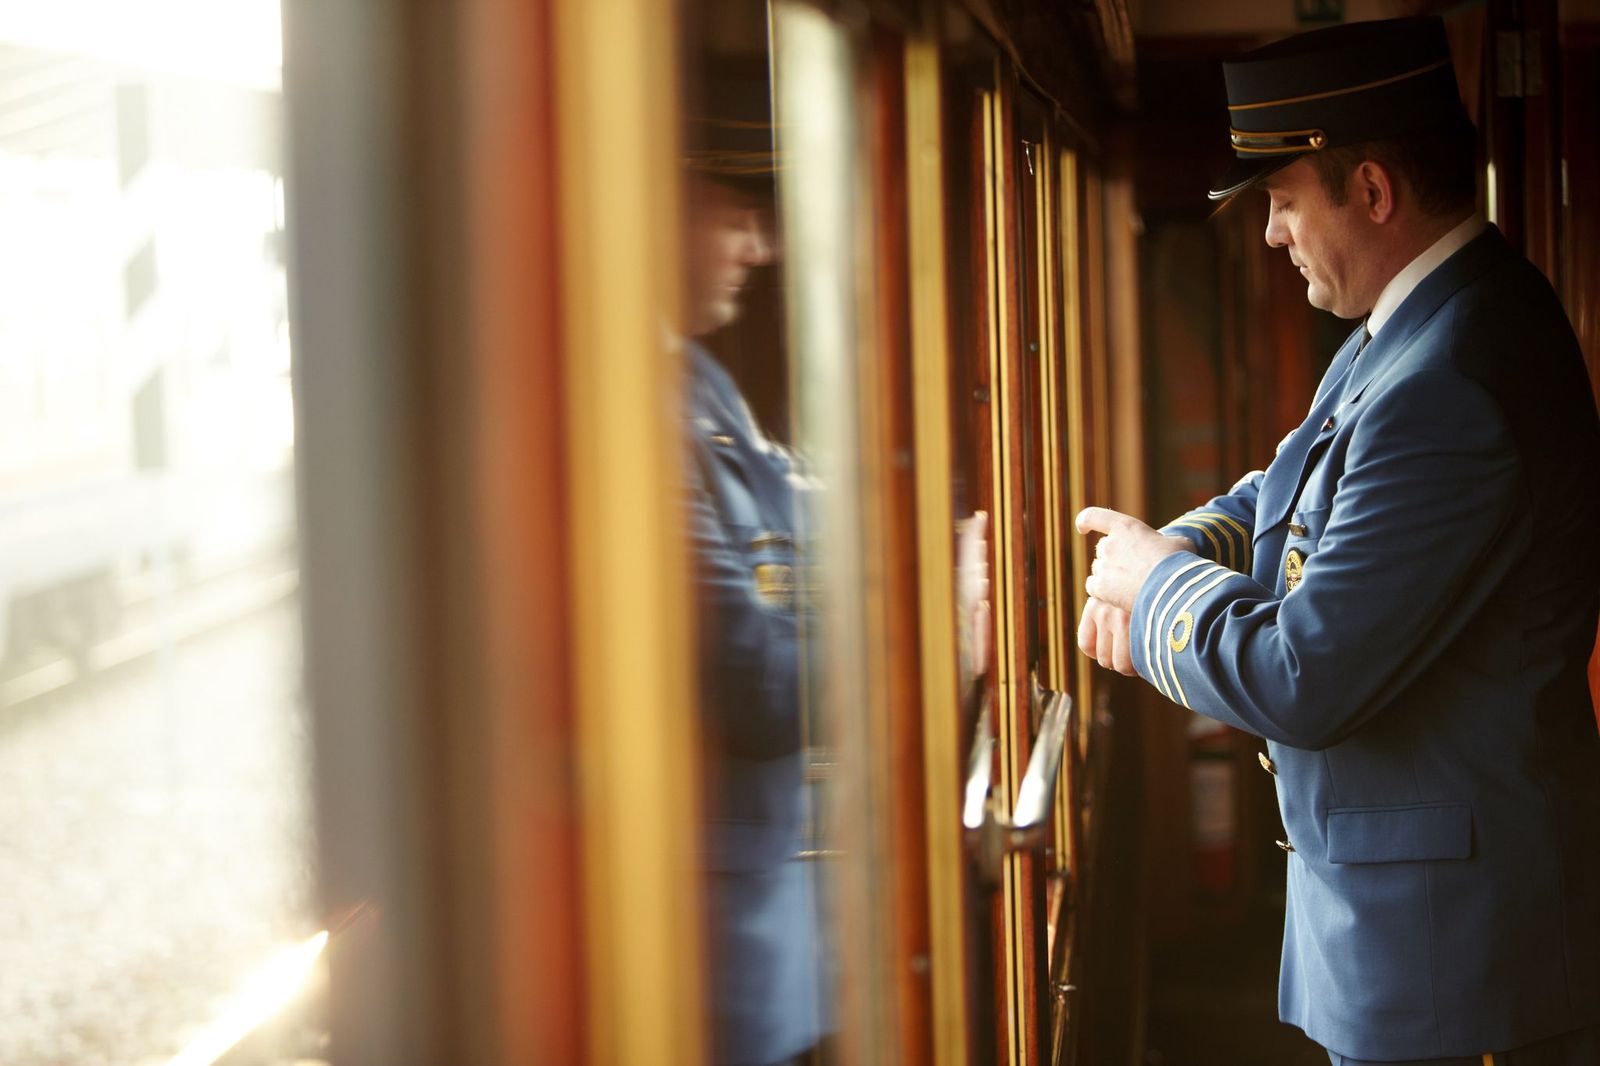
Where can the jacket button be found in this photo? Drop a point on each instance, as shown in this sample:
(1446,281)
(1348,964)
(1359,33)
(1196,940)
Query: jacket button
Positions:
(1266,763)
(1284,844)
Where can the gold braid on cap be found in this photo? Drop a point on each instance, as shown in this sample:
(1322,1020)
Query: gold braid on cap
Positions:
(1282,142)
(732,164)
(1445,62)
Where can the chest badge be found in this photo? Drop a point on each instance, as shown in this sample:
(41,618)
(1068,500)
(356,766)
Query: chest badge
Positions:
(775,584)
(1294,568)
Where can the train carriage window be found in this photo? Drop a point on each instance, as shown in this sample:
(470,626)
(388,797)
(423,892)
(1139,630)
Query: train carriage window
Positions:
(758,305)
(154,794)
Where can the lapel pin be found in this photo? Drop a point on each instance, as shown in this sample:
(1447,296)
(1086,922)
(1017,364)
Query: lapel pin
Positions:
(1293,569)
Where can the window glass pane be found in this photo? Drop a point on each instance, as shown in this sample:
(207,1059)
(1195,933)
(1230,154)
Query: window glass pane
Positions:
(154,772)
(754,502)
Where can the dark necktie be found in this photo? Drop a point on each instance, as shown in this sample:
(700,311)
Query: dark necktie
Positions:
(1342,386)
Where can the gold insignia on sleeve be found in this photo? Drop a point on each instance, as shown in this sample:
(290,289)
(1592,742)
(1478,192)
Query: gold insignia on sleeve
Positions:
(1182,630)
(775,584)
(1294,568)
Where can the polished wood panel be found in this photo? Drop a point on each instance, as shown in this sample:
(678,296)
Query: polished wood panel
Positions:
(1019,902)
(1125,430)
(1579,109)
(890,389)
(636,727)
(529,916)
(1007,545)
(943,739)
(1580,116)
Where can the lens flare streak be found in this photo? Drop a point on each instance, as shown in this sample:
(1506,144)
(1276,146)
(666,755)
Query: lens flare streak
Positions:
(262,996)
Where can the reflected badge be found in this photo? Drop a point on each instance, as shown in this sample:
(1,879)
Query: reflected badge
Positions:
(1293,569)
(775,584)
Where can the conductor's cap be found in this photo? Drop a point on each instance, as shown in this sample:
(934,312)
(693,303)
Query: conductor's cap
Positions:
(731,138)
(1363,81)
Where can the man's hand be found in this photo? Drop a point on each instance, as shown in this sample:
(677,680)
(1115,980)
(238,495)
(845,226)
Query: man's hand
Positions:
(1103,636)
(1125,556)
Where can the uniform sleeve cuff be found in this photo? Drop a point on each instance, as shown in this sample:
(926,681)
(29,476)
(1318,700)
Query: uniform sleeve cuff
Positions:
(1163,623)
(1188,533)
(1217,536)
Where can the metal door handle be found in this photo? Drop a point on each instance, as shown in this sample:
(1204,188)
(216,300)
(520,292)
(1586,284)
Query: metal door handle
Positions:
(980,763)
(989,836)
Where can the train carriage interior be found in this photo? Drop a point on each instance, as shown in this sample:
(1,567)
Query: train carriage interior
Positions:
(543,531)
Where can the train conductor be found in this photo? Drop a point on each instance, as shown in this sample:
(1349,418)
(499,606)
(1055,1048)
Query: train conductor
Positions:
(768,967)
(1404,602)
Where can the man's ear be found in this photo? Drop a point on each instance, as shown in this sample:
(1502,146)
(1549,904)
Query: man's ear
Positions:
(1374,190)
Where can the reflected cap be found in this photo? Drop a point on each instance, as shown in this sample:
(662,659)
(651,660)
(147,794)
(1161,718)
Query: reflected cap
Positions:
(1362,81)
(731,137)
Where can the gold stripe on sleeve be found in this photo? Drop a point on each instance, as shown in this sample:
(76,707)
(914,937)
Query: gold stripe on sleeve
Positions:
(1151,656)
(1166,614)
(1212,537)
(1244,535)
(1187,608)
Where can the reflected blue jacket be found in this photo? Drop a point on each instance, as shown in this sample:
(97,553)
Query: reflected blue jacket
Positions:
(1403,604)
(761,907)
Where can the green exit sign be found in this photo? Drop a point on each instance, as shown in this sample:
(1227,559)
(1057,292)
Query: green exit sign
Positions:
(1318,11)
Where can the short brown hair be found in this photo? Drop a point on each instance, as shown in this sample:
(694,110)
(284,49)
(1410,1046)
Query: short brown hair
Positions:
(1439,166)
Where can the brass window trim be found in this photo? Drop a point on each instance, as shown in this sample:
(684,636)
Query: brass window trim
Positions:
(930,368)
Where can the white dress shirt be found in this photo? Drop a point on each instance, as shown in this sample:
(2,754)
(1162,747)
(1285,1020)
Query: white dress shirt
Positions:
(1400,286)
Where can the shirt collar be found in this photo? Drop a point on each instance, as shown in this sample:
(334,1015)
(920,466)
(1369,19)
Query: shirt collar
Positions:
(1400,286)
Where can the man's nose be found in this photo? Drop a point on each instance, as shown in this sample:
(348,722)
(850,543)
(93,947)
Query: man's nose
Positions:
(759,246)
(1277,232)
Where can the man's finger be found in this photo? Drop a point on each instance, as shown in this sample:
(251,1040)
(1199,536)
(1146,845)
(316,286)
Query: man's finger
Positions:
(1086,631)
(1105,644)
(1122,653)
(1099,520)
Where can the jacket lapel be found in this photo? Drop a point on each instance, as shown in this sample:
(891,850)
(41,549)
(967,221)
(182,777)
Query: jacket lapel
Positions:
(1281,485)
(1280,489)
(736,449)
(1461,269)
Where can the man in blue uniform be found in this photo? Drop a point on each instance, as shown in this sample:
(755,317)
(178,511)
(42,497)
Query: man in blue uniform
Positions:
(767,971)
(1404,602)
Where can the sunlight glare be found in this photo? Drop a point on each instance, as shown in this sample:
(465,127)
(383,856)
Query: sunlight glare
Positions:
(262,996)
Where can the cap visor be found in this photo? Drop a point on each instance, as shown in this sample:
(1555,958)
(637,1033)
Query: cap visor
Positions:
(1247,173)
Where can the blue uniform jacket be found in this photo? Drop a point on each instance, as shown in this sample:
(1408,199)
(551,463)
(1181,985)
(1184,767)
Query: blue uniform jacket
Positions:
(767,1004)
(1403,605)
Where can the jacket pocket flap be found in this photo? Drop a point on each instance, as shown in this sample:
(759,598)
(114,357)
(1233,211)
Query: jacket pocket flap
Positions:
(1420,833)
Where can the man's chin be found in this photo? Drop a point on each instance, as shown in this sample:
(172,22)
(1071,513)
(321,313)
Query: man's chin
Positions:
(714,317)
(1322,300)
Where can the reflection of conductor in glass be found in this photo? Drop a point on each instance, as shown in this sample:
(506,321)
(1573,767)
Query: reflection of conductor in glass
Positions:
(766,964)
